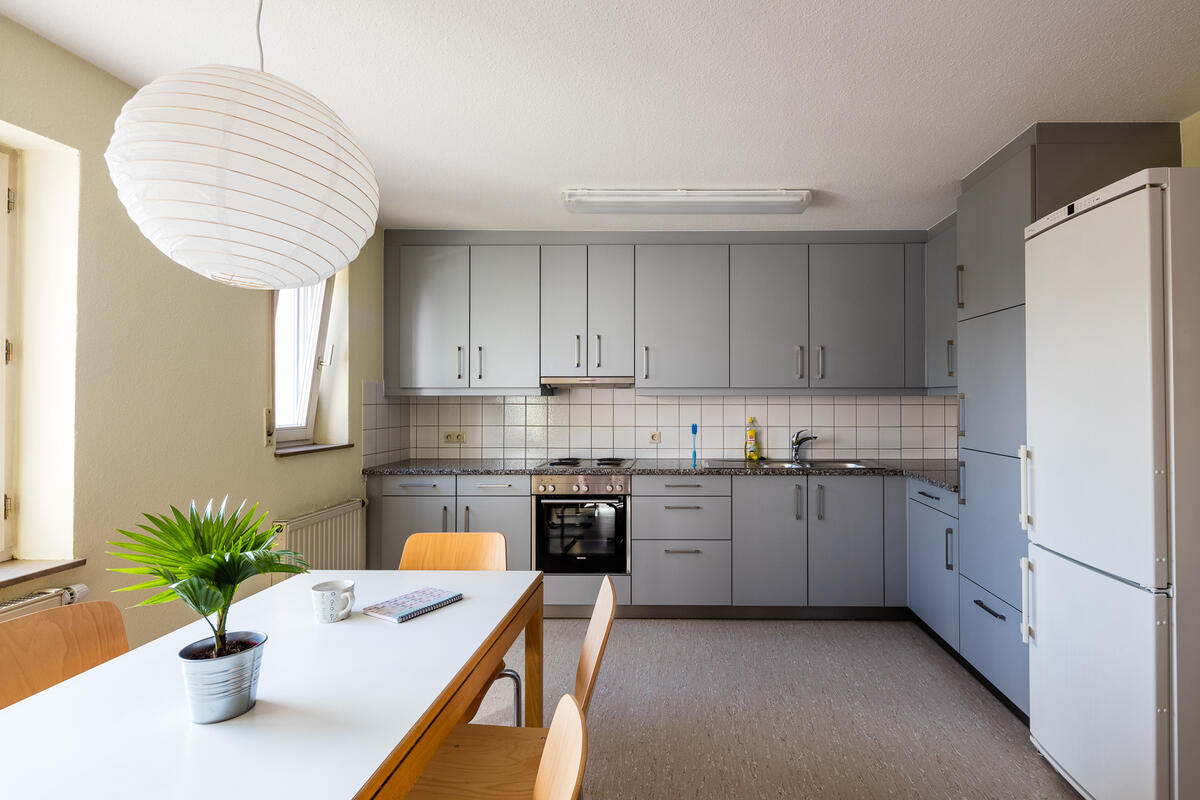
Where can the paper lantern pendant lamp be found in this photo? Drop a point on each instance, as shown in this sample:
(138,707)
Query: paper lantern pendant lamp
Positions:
(243,177)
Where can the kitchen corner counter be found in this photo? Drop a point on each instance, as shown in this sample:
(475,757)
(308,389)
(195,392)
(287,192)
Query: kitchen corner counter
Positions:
(937,472)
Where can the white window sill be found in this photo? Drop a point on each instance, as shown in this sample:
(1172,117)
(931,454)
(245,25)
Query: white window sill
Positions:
(19,570)
(297,449)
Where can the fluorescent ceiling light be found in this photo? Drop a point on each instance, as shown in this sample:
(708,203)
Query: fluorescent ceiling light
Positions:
(687,201)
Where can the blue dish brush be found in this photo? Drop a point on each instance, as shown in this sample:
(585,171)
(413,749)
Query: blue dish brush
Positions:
(693,445)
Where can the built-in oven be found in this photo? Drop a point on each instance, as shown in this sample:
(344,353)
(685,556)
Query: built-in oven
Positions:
(581,524)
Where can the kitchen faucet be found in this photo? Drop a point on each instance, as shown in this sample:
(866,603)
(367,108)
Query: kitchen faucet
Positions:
(799,441)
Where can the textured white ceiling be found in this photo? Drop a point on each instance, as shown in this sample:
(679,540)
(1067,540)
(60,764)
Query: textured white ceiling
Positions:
(477,114)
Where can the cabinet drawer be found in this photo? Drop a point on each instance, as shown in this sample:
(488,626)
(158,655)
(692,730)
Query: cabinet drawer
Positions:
(581,590)
(682,573)
(990,639)
(400,485)
(488,485)
(671,485)
(943,500)
(681,518)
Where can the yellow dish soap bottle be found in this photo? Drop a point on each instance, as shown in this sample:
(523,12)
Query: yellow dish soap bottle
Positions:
(751,449)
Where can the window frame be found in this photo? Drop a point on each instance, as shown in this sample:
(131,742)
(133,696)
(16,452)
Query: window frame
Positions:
(293,435)
(9,165)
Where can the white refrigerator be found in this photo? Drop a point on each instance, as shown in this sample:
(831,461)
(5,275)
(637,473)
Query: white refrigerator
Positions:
(1110,487)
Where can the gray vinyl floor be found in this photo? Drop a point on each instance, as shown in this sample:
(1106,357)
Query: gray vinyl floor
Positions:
(770,709)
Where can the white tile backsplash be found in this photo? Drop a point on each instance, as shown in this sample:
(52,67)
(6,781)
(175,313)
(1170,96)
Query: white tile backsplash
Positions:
(388,425)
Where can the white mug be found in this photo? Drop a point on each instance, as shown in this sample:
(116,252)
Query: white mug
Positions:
(332,600)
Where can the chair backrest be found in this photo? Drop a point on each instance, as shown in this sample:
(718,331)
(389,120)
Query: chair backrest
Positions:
(594,642)
(560,772)
(41,649)
(454,551)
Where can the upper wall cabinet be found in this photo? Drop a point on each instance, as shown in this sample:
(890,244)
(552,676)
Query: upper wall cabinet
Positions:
(768,309)
(940,317)
(427,319)
(610,310)
(991,220)
(856,315)
(682,316)
(564,329)
(504,316)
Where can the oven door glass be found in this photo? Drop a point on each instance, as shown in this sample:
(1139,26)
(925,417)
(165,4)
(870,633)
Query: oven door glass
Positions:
(582,534)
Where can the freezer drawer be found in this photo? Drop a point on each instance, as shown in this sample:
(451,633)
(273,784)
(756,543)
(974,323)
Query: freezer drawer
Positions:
(1099,679)
(682,573)
(989,634)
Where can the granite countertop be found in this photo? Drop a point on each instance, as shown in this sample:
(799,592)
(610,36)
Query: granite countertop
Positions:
(942,473)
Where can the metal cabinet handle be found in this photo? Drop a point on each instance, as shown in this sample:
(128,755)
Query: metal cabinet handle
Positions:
(597,349)
(577,364)
(458,362)
(466,519)
(821,362)
(493,486)
(418,486)
(983,605)
(796,501)
(480,375)
(949,558)
(679,552)
(445,511)
(799,362)
(1024,454)
(820,501)
(962,483)
(683,508)
(930,496)
(1026,628)
(645,361)
(949,358)
(962,421)
(959,281)
(682,486)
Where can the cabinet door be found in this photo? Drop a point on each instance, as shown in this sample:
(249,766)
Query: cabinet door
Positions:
(682,316)
(505,316)
(991,221)
(856,302)
(989,638)
(770,542)
(768,309)
(940,311)
(845,541)
(427,318)
(993,543)
(508,515)
(991,382)
(609,310)
(689,572)
(564,330)
(404,516)
(932,573)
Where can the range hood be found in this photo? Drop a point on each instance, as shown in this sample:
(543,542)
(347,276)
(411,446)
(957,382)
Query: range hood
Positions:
(612,382)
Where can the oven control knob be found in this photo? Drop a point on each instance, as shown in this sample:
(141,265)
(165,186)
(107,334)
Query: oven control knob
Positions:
(608,488)
(550,488)
(541,487)
(575,488)
(619,487)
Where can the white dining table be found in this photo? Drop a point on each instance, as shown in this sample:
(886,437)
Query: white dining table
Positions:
(353,709)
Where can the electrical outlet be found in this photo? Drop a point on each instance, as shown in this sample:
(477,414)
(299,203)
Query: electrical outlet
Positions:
(454,437)
(460,437)
(655,437)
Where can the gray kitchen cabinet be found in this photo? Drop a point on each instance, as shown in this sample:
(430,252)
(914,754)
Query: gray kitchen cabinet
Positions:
(564,339)
(427,324)
(933,547)
(681,316)
(504,316)
(991,382)
(404,516)
(680,517)
(940,309)
(845,541)
(990,639)
(768,310)
(681,572)
(992,540)
(856,316)
(582,590)
(895,541)
(609,310)
(991,220)
(770,541)
(510,516)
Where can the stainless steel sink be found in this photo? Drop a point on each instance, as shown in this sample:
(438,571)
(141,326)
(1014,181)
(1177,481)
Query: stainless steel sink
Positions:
(815,464)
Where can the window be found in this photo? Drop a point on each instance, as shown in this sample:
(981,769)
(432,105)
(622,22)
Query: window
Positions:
(301,321)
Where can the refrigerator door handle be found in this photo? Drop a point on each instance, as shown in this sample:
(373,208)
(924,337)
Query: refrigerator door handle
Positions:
(1024,453)
(1026,628)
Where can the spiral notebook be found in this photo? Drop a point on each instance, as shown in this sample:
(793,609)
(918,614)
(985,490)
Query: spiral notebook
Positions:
(412,604)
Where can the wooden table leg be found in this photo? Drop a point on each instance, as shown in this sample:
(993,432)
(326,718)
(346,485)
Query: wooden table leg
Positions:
(533,665)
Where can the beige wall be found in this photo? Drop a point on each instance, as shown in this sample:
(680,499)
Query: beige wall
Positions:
(171,369)
(1190,133)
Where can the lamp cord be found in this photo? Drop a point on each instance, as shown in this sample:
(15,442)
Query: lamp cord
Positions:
(258,33)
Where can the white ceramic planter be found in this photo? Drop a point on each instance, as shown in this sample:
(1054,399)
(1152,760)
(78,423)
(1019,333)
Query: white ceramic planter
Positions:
(222,688)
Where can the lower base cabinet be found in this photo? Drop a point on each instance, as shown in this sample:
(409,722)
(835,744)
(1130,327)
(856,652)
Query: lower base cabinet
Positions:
(933,569)
(403,516)
(511,516)
(682,572)
(770,541)
(582,590)
(990,639)
(845,541)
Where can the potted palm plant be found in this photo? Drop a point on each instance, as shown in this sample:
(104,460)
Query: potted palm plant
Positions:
(202,559)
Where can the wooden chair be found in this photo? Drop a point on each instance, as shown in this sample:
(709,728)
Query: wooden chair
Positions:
(530,763)
(41,649)
(493,761)
(467,551)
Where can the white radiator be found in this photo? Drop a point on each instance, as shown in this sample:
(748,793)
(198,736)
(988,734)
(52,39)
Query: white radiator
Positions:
(41,600)
(332,538)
